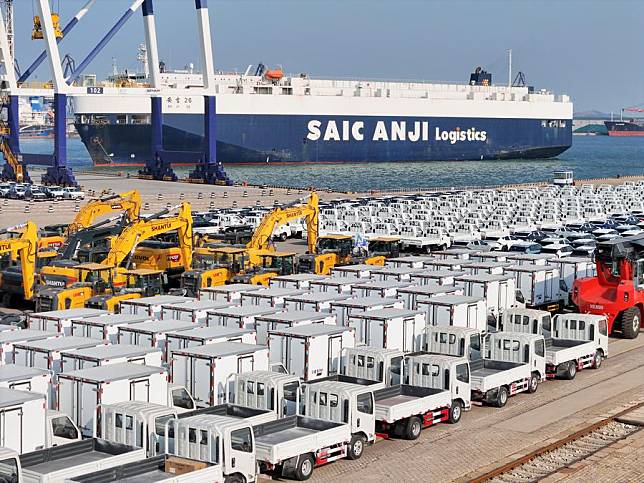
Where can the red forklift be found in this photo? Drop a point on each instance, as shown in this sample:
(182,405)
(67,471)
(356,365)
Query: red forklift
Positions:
(618,289)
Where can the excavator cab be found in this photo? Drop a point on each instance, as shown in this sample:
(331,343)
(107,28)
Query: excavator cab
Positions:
(332,250)
(381,248)
(272,264)
(212,267)
(139,283)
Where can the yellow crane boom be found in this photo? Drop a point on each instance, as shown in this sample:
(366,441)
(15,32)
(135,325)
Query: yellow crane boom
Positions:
(143,229)
(129,203)
(26,248)
(279,216)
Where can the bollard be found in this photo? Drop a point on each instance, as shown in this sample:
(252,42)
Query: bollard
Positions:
(234,203)
(288,191)
(200,196)
(213,194)
(270,193)
(225,194)
(212,205)
(159,196)
(50,209)
(146,206)
(276,203)
(168,206)
(263,192)
(299,192)
(245,194)
(27,209)
(181,196)
(5,202)
(77,207)
(257,203)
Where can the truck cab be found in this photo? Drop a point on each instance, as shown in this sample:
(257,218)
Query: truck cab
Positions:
(373,363)
(267,390)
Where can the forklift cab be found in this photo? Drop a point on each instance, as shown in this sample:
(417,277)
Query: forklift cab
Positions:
(147,282)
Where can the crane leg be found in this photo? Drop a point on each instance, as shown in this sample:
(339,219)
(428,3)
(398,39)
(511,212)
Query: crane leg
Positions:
(59,173)
(157,168)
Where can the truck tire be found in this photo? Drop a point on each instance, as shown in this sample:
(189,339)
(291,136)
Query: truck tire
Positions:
(304,468)
(283,236)
(234,479)
(534,383)
(570,371)
(413,428)
(455,412)
(356,447)
(597,360)
(631,319)
(501,397)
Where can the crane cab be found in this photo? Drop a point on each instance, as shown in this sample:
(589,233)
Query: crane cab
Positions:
(37,33)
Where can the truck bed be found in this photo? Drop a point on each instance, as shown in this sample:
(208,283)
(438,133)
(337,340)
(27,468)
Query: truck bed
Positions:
(488,374)
(62,462)
(559,351)
(150,470)
(279,440)
(254,416)
(402,401)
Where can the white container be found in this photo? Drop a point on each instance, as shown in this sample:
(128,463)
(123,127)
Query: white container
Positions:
(105,327)
(206,370)
(337,284)
(343,309)
(399,329)
(151,305)
(110,354)
(393,274)
(195,311)
(416,261)
(310,351)
(13,376)
(284,320)
(60,320)
(80,392)
(239,317)
(379,288)
(299,281)
(9,338)
(435,278)
(227,293)
(499,291)
(354,271)
(23,419)
(489,267)
(539,284)
(415,293)
(455,310)
(268,297)
(314,301)
(445,264)
(207,335)
(152,334)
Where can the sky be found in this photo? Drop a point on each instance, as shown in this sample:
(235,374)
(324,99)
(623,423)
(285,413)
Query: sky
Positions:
(590,50)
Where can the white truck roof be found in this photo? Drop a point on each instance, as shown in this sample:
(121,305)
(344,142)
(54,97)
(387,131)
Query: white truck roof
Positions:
(112,372)
(26,335)
(244,311)
(311,330)
(484,277)
(299,277)
(440,359)
(116,319)
(275,292)
(214,422)
(68,314)
(428,273)
(196,305)
(211,332)
(14,372)
(383,314)
(165,325)
(296,316)
(221,349)
(452,329)
(234,287)
(365,301)
(158,300)
(318,297)
(338,280)
(345,387)
(450,299)
(269,377)
(61,343)
(11,397)
(381,283)
(111,351)
(530,268)
(429,289)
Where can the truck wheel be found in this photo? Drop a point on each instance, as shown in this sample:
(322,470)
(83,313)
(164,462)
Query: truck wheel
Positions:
(304,468)
(631,319)
(234,479)
(534,384)
(283,237)
(356,447)
(501,397)
(455,412)
(413,429)
(597,360)
(571,370)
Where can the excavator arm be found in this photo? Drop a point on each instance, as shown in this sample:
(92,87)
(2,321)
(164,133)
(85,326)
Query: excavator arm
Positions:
(279,216)
(129,203)
(143,229)
(26,247)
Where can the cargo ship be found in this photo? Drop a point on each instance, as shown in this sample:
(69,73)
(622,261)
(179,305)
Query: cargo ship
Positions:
(625,128)
(266,117)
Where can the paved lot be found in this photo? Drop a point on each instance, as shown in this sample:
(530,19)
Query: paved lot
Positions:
(488,437)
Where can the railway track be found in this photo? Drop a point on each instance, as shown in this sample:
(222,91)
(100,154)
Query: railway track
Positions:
(561,454)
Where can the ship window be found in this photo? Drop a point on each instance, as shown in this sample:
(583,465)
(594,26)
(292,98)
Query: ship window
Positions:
(562,123)
(544,123)
(121,119)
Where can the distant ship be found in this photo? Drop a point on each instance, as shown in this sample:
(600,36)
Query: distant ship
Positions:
(625,128)
(266,117)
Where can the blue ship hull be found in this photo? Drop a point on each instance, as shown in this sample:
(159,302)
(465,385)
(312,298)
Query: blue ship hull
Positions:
(253,139)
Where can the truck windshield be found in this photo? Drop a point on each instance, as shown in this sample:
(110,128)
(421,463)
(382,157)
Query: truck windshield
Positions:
(64,428)
(9,470)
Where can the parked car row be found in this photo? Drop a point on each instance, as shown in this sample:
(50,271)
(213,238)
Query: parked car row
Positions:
(23,191)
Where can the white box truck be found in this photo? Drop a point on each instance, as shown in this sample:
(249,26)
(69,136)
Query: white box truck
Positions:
(499,292)
(153,334)
(105,327)
(400,329)
(195,311)
(13,376)
(206,370)
(151,305)
(239,317)
(572,268)
(456,310)
(310,351)
(285,320)
(60,320)
(9,338)
(103,355)
(539,285)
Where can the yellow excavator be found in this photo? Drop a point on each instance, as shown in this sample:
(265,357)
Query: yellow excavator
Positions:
(109,278)
(257,262)
(23,249)
(128,203)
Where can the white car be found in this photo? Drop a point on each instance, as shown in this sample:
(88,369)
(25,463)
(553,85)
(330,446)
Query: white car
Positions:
(559,249)
(73,194)
(502,243)
(56,192)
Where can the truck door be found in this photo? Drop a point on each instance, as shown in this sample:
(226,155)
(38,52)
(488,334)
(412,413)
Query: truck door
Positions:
(11,429)
(296,355)
(335,349)
(140,390)
(240,456)
(461,384)
(363,419)
(245,364)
